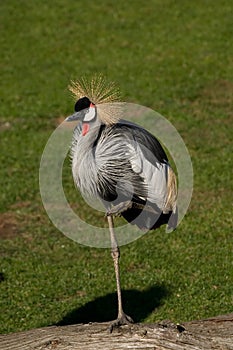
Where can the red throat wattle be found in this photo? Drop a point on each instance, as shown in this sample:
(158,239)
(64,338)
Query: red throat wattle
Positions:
(85,128)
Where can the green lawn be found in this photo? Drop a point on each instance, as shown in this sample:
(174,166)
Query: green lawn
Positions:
(172,56)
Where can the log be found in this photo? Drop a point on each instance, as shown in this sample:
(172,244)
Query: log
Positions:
(213,333)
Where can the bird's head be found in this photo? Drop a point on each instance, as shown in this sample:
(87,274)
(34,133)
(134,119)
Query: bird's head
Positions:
(85,111)
(96,102)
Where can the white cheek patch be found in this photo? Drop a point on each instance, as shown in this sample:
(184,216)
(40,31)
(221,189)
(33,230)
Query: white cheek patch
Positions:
(90,114)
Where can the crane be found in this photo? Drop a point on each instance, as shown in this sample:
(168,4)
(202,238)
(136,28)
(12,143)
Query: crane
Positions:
(122,164)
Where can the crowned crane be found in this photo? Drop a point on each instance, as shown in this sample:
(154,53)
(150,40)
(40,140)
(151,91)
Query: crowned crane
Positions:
(122,164)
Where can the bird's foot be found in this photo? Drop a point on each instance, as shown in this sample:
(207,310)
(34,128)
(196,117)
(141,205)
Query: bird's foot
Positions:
(118,209)
(120,321)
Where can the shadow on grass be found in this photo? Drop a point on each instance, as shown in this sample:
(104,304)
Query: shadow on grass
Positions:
(137,304)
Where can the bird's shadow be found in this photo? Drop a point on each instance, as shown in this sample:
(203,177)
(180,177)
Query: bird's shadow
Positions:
(137,304)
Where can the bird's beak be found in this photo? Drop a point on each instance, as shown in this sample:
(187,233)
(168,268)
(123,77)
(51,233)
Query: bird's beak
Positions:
(73,117)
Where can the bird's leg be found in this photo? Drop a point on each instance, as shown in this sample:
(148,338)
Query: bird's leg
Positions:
(122,318)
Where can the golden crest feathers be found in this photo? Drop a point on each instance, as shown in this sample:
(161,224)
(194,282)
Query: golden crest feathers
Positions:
(105,95)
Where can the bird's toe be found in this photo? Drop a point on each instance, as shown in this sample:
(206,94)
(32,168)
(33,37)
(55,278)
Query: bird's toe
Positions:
(118,209)
(121,321)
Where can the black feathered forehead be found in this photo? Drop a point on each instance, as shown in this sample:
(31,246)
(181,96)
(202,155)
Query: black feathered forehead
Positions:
(82,103)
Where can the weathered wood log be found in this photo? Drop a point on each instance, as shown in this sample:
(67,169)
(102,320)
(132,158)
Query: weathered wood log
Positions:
(213,333)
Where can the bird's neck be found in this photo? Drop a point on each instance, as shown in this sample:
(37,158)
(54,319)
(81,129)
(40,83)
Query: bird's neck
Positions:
(93,133)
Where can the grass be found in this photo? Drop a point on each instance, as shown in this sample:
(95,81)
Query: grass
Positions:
(174,57)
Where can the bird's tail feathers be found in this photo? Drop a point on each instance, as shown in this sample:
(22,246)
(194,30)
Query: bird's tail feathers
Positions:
(172,222)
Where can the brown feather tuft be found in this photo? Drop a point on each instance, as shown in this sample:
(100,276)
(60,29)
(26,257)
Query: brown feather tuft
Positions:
(105,95)
(171,191)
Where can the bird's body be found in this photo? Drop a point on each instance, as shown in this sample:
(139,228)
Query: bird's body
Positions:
(121,164)
(124,162)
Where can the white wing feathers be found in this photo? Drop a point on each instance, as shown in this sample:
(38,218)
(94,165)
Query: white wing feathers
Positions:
(155,177)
